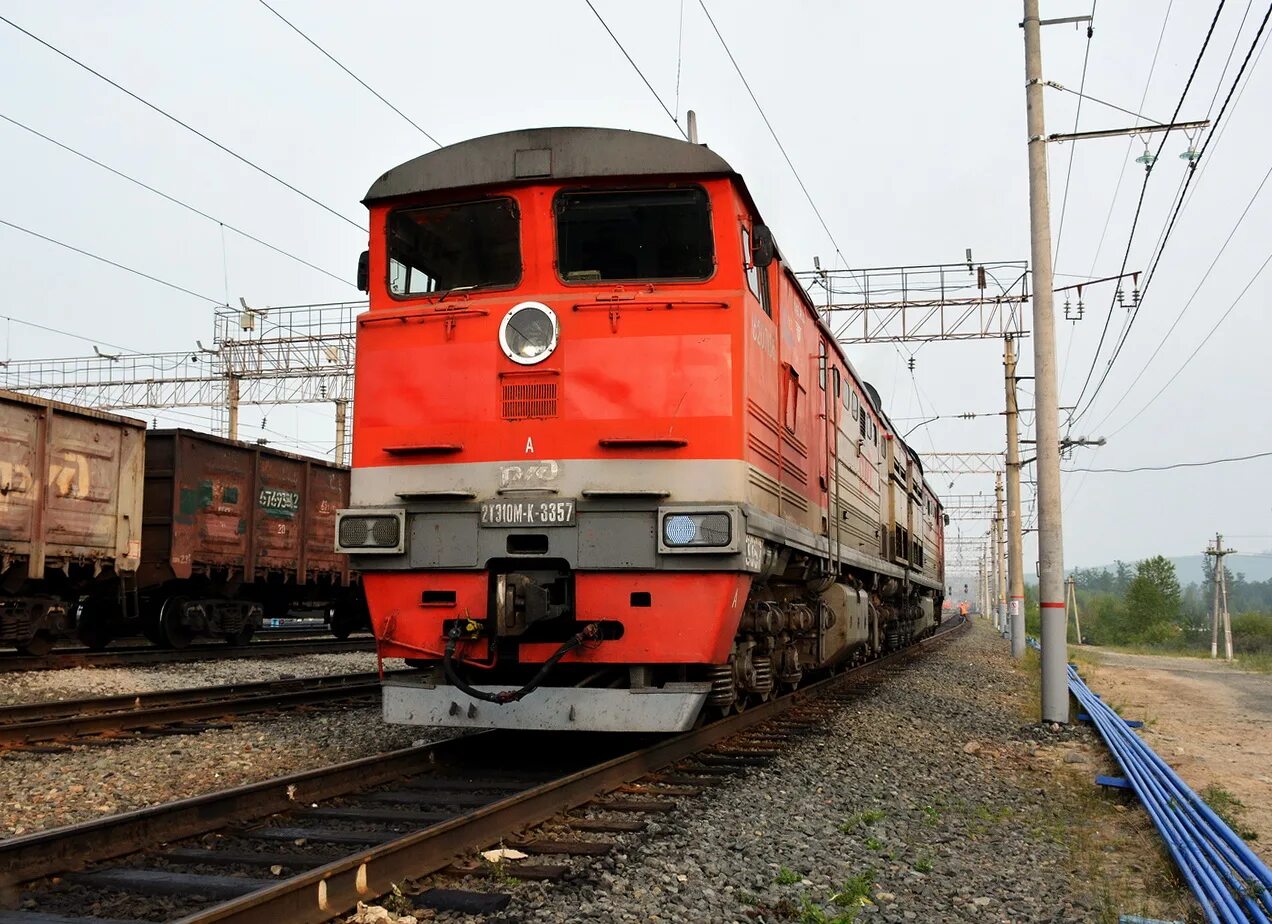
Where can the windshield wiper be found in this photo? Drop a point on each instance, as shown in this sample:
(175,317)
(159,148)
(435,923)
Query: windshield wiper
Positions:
(456,289)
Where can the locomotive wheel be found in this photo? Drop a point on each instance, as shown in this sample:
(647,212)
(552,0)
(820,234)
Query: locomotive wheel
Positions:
(172,634)
(37,646)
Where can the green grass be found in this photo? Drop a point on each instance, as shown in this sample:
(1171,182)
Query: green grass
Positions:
(873,843)
(861,820)
(787,876)
(1259,662)
(811,913)
(1230,809)
(923,865)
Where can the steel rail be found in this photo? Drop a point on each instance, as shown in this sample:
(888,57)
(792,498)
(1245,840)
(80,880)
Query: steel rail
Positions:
(319,894)
(60,850)
(32,722)
(131,657)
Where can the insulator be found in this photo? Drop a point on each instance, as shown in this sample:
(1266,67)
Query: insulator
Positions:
(1118,295)
(1135,297)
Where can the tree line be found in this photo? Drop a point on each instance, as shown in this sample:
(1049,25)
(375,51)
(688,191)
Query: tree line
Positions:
(1145,604)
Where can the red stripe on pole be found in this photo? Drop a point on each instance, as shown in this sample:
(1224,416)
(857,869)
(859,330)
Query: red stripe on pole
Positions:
(1021,597)
(1058,606)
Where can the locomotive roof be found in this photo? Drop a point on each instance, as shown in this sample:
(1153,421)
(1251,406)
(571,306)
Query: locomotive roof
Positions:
(547,153)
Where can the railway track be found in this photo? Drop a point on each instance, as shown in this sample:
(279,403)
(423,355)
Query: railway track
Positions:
(307,847)
(149,654)
(112,718)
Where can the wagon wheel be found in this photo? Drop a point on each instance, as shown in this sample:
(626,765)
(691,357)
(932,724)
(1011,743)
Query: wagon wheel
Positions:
(242,636)
(341,624)
(172,633)
(94,628)
(37,646)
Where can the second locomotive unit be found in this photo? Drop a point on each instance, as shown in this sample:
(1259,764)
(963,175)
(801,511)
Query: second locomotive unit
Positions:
(610,468)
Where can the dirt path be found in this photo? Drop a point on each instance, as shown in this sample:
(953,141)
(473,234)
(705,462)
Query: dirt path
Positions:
(1212,723)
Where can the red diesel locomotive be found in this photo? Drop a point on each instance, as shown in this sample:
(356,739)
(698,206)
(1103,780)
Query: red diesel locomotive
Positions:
(609,466)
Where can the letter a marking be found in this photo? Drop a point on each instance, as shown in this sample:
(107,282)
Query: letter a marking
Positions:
(529,445)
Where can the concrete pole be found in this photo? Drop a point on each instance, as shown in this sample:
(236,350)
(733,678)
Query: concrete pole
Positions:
(1214,600)
(342,408)
(1223,598)
(1015,537)
(1000,557)
(1055,681)
(1077,622)
(232,406)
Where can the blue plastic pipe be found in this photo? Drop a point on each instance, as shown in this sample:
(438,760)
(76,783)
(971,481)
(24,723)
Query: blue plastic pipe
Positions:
(1228,879)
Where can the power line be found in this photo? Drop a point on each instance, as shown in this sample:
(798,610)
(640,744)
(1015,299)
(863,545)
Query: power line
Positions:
(66,333)
(172,199)
(170,117)
(1117,188)
(1188,304)
(776,139)
(1064,201)
(364,84)
(1170,227)
(1165,468)
(1139,208)
(1197,349)
(127,269)
(636,68)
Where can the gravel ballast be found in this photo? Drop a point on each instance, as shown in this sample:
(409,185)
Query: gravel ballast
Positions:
(930,799)
(84,682)
(39,791)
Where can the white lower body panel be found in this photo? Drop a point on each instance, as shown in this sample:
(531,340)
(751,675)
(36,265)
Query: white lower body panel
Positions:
(670,708)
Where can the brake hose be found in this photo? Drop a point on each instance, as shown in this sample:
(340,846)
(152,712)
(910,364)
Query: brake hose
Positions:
(588,633)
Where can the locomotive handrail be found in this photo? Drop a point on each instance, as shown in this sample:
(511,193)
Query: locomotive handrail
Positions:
(642,442)
(646,305)
(421,314)
(425,449)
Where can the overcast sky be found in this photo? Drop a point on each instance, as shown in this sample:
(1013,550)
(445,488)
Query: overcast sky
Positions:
(906,122)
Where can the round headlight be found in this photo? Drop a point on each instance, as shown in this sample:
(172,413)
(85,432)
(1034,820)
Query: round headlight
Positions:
(679,530)
(529,333)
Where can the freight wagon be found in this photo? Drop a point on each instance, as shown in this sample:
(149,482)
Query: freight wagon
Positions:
(70,513)
(173,533)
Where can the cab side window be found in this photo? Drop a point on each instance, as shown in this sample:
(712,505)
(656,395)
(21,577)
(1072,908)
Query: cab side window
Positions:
(756,276)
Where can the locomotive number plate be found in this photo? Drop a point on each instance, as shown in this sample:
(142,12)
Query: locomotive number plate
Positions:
(528,513)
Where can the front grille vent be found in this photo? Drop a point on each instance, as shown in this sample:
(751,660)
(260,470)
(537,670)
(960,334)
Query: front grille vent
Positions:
(537,399)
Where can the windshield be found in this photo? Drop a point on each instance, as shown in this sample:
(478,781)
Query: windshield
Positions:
(634,234)
(444,247)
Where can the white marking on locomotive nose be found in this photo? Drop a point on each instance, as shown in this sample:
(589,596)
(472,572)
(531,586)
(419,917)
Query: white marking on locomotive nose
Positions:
(529,445)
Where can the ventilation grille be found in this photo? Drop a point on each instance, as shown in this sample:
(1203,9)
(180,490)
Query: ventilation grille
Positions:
(538,399)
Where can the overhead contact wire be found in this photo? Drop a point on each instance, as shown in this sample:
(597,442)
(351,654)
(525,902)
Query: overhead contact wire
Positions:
(778,141)
(173,199)
(1192,172)
(637,69)
(330,57)
(190,128)
(127,269)
(1139,206)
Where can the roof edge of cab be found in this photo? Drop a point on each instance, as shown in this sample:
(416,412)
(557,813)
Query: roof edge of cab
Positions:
(531,154)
